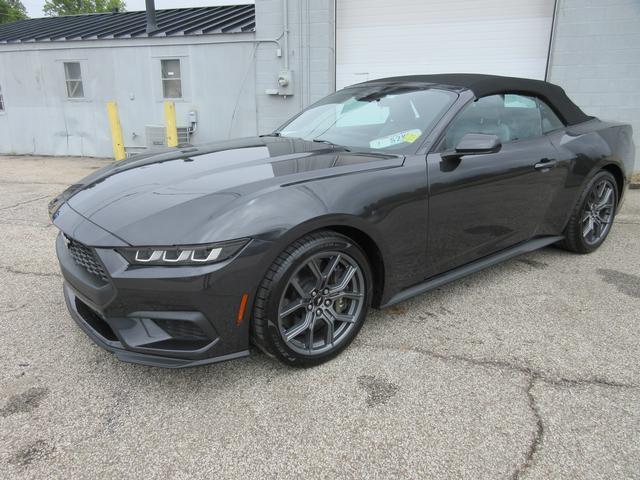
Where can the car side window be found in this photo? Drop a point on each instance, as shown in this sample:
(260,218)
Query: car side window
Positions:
(550,121)
(509,116)
(482,116)
(521,116)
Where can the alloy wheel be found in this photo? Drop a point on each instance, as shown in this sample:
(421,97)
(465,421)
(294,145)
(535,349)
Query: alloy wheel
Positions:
(321,303)
(597,215)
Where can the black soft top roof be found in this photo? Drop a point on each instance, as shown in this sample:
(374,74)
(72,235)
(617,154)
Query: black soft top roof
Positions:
(483,85)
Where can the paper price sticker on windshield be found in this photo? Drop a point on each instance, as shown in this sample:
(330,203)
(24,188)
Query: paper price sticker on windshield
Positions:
(408,136)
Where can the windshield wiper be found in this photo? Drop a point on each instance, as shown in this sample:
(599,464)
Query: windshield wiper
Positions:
(274,134)
(327,142)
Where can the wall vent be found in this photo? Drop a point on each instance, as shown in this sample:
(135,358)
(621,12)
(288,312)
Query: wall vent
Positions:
(155,136)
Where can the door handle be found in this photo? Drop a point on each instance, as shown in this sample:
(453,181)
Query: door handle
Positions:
(546,164)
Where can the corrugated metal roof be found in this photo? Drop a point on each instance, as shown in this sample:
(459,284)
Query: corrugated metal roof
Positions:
(97,26)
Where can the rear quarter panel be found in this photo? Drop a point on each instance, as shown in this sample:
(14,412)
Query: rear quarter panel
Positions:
(587,148)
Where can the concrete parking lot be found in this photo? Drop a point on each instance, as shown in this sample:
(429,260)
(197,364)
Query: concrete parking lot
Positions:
(530,369)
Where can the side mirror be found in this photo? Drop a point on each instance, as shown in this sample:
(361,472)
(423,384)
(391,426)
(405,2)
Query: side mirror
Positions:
(475,144)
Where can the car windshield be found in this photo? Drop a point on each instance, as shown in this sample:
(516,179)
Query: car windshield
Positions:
(388,118)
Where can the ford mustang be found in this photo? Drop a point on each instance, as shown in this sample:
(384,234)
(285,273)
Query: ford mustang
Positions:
(379,192)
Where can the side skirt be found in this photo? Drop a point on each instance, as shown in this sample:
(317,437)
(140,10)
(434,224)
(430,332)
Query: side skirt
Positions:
(469,268)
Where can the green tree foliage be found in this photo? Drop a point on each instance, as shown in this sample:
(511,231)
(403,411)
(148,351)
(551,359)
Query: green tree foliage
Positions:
(56,8)
(12,10)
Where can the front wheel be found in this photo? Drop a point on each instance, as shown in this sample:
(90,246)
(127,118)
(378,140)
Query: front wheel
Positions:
(313,300)
(593,215)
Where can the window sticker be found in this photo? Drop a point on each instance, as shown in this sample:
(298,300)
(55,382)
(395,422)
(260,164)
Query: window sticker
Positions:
(407,136)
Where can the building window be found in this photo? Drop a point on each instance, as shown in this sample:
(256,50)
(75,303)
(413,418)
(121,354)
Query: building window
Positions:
(1,100)
(171,78)
(73,78)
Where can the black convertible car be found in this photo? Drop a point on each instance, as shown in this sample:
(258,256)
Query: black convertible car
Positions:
(377,193)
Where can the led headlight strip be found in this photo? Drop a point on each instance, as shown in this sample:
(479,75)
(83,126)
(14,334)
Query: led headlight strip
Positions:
(183,255)
(175,256)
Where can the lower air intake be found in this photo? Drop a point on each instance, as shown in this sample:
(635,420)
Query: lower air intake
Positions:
(181,330)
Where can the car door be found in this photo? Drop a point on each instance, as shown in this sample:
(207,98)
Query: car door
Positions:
(480,204)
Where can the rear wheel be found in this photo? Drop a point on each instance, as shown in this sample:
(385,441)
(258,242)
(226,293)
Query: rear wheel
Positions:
(593,215)
(313,300)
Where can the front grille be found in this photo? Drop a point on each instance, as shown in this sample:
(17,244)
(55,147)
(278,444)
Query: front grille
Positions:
(87,259)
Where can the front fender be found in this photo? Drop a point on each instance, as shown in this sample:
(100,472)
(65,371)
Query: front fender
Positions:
(388,206)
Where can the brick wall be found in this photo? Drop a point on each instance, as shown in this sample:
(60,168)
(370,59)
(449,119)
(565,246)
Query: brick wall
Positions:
(596,58)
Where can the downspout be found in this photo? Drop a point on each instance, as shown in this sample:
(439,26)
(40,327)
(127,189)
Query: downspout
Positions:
(335,44)
(551,38)
(285,12)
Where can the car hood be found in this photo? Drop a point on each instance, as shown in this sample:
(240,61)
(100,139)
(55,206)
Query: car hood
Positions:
(168,198)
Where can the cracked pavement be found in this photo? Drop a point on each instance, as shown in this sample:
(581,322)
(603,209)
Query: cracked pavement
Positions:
(527,370)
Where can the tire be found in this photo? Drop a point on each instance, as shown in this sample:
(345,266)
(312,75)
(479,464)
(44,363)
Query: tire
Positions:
(300,304)
(587,208)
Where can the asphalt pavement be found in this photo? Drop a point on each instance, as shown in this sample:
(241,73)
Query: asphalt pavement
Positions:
(530,369)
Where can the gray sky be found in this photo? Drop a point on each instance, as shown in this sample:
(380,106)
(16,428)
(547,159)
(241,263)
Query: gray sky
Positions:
(34,7)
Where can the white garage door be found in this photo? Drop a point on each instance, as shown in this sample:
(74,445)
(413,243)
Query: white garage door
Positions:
(378,38)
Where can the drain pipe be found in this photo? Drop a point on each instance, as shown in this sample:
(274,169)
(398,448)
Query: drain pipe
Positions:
(285,9)
(152,26)
(552,35)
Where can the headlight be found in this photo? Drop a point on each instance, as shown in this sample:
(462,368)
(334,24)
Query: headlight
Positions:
(184,255)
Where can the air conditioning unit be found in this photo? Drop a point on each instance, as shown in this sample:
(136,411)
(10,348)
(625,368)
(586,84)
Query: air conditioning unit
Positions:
(156,136)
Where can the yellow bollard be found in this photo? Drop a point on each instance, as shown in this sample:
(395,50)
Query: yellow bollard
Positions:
(170,122)
(116,131)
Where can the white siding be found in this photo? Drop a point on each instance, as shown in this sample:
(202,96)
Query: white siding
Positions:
(311,57)
(225,83)
(378,38)
(39,119)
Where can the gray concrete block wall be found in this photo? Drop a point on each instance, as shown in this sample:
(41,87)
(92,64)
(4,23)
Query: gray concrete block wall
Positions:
(596,58)
(311,57)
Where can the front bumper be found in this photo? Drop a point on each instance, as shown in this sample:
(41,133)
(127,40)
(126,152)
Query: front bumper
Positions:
(97,329)
(163,316)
